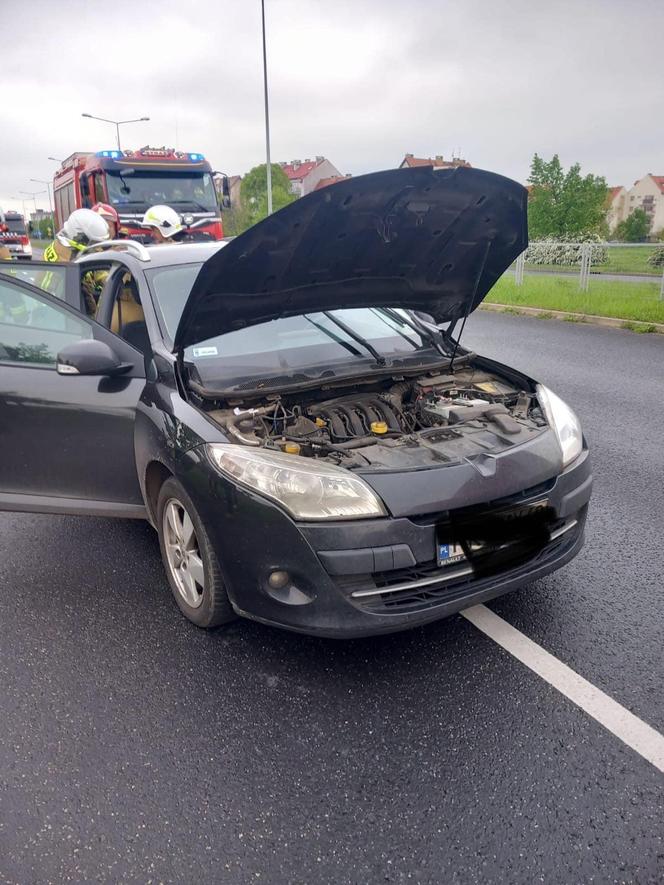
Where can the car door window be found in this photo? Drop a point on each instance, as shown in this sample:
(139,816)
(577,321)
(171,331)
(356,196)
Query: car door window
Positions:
(51,277)
(32,329)
(93,280)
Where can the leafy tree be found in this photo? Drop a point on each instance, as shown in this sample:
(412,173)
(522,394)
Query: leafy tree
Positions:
(254,191)
(634,228)
(564,204)
(236,220)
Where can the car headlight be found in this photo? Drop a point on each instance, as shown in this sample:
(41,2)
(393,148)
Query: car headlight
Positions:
(564,423)
(306,488)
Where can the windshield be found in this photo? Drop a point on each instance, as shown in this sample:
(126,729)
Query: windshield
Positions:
(15,225)
(285,345)
(185,191)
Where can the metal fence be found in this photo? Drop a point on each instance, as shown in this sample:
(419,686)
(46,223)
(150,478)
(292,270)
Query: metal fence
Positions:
(587,268)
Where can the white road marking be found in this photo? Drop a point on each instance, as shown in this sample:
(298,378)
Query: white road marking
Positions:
(615,718)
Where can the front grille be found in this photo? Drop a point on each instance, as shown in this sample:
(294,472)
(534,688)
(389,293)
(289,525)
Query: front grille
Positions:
(426,585)
(521,497)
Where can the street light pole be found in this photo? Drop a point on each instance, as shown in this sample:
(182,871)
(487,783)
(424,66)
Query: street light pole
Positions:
(22,201)
(116,123)
(34,195)
(267,117)
(50,200)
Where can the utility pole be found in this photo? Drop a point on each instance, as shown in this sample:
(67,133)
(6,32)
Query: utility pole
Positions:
(267,118)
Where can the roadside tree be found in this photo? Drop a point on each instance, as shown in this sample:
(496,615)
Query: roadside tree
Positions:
(254,192)
(634,229)
(564,205)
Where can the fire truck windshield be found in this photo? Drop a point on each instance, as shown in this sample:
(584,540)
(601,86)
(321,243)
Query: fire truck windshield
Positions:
(137,189)
(15,225)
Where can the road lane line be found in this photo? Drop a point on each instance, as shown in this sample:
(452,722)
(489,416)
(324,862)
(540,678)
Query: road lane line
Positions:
(631,730)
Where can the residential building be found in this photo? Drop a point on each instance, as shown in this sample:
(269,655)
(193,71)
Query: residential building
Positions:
(39,215)
(438,162)
(234,185)
(234,182)
(324,182)
(615,206)
(646,193)
(305,175)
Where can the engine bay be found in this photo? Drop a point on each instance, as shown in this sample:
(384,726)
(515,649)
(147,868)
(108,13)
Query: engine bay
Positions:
(391,423)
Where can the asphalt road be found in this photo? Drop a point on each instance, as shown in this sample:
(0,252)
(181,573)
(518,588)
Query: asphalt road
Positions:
(136,748)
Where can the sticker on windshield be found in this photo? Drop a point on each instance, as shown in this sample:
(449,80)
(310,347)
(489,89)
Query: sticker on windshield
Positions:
(205,351)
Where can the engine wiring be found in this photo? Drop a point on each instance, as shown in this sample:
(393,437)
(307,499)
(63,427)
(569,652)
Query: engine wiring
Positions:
(393,413)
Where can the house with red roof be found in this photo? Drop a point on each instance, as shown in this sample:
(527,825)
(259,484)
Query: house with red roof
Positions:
(304,175)
(646,193)
(438,162)
(333,179)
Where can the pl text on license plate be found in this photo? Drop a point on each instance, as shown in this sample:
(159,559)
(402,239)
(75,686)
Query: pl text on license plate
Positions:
(448,554)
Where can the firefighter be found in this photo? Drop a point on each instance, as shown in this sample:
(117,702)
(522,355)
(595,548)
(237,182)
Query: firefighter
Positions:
(164,223)
(93,281)
(112,219)
(81,229)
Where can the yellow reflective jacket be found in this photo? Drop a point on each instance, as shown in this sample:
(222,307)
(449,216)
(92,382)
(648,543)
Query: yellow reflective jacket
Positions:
(54,252)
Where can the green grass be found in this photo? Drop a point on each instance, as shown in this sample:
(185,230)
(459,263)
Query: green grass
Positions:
(629,259)
(628,301)
(641,328)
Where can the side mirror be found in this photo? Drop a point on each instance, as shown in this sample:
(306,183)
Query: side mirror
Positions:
(89,357)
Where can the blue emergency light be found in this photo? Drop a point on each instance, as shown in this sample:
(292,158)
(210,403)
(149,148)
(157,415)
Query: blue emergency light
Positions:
(111,155)
(196,157)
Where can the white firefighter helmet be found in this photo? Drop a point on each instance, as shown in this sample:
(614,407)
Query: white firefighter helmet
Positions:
(82,228)
(165,219)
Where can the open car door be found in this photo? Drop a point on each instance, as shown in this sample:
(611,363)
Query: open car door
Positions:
(66,440)
(61,279)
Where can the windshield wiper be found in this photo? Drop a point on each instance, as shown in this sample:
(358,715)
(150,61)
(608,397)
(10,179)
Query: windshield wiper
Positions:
(356,337)
(418,326)
(396,322)
(335,338)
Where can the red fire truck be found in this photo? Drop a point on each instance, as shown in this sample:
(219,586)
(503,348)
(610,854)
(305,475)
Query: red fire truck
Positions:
(14,235)
(132,181)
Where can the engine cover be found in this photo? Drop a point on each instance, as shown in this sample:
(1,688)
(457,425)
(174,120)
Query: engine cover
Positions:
(351,416)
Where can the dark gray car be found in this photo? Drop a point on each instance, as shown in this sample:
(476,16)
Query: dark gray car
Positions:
(294,412)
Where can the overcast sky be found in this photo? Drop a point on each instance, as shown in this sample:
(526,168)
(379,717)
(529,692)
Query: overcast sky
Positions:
(359,81)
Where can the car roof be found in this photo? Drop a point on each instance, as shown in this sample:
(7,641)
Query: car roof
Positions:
(161,255)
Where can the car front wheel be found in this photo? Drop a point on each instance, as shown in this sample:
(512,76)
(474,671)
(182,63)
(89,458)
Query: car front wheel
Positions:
(191,565)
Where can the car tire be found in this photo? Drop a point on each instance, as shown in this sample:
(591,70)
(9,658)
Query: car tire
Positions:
(190,562)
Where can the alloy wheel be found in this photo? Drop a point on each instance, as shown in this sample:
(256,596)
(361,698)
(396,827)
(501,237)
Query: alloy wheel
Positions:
(183,553)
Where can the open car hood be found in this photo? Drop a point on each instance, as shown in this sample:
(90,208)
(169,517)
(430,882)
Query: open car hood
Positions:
(433,241)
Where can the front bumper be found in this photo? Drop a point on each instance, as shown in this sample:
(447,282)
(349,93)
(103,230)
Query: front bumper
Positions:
(366,577)
(18,250)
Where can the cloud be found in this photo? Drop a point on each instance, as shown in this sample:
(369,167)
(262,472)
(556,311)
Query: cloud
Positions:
(361,82)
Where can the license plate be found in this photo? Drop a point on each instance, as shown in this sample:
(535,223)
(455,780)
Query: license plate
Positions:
(448,554)
(523,510)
